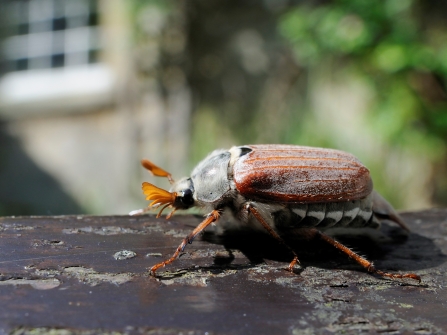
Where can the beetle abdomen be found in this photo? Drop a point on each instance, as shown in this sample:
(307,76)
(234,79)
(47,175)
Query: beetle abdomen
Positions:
(296,174)
(349,214)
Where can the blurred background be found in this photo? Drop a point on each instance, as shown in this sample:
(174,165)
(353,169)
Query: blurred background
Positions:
(89,87)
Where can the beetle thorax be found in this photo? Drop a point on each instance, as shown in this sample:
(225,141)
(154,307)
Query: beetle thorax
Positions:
(210,178)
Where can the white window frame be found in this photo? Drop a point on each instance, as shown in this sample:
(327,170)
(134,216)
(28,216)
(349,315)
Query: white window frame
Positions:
(77,85)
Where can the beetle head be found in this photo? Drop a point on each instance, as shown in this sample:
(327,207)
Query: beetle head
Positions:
(180,196)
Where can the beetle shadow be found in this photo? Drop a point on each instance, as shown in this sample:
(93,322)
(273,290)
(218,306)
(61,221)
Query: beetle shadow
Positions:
(390,247)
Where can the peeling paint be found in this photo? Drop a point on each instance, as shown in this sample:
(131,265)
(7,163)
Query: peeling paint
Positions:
(154,254)
(13,226)
(109,230)
(198,278)
(93,278)
(175,233)
(60,331)
(124,254)
(38,284)
(48,243)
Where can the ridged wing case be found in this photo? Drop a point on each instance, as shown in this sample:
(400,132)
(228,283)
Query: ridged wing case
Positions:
(299,174)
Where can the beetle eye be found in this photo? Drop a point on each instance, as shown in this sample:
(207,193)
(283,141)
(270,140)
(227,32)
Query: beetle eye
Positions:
(187,198)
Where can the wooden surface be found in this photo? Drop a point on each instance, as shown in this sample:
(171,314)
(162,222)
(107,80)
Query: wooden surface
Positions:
(59,275)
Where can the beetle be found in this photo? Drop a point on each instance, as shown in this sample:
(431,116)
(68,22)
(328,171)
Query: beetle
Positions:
(280,188)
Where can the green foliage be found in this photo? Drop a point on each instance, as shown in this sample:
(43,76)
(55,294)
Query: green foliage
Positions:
(388,44)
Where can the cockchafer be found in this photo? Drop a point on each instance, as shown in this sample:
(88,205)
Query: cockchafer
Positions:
(283,189)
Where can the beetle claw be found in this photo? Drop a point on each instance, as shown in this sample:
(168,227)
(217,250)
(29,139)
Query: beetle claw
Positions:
(292,264)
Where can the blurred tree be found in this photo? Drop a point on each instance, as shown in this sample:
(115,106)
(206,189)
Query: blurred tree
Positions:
(239,69)
(399,48)
(363,76)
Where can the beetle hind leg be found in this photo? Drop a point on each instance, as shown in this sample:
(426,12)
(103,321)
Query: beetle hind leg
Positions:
(252,210)
(363,261)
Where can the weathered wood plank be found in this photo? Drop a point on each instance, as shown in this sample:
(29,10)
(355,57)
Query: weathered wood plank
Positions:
(60,273)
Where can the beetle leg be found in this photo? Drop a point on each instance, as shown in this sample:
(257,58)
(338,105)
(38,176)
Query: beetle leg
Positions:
(212,217)
(249,207)
(363,261)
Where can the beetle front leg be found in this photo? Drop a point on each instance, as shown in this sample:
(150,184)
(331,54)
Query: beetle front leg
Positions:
(212,217)
(252,209)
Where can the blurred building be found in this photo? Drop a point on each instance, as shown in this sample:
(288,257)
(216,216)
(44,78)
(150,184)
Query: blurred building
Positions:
(89,87)
(74,125)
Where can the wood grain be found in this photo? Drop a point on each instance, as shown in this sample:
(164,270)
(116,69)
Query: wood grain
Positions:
(61,275)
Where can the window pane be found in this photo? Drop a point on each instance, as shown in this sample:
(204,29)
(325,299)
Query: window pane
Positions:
(50,33)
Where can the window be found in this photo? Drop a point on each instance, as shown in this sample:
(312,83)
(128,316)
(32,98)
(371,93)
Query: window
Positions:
(51,52)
